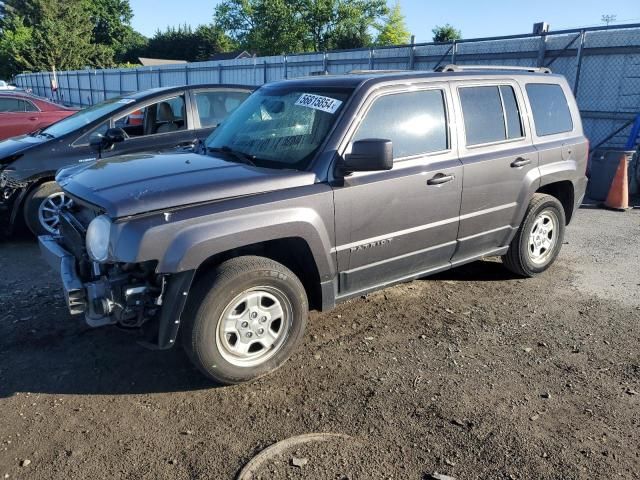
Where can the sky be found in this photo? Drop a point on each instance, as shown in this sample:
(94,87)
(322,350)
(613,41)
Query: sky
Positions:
(475,18)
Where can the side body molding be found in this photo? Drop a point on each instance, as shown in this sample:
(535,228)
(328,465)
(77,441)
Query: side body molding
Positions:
(195,244)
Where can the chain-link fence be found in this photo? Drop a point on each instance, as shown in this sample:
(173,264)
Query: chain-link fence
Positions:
(601,63)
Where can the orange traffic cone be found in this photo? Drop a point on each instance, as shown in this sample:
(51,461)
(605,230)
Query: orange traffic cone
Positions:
(618,197)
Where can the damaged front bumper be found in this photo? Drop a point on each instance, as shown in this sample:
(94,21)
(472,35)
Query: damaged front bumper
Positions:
(121,298)
(65,264)
(9,199)
(12,195)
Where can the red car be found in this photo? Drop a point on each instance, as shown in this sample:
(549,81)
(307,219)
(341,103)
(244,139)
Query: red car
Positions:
(22,113)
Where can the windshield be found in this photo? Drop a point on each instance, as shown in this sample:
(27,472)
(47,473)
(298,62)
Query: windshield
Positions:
(85,117)
(280,126)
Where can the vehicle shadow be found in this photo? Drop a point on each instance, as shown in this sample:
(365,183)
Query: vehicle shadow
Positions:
(84,361)
(488,270)
(44,350)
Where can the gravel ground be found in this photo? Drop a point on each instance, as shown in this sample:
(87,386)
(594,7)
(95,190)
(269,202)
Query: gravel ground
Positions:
(472,374)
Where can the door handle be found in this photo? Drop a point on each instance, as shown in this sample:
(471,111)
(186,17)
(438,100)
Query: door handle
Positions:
(440,178)
(520,162)
(33,119)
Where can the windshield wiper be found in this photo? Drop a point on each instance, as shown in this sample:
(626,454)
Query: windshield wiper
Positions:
(44,134)
(242,157)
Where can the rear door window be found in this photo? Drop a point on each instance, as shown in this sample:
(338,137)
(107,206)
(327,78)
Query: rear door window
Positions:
(491,114)
(415,122)
(550,109)
(10,105)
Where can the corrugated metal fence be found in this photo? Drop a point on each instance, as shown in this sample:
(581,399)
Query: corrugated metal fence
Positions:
(601,63)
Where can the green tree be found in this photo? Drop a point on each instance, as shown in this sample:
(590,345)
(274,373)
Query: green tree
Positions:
(74,32)
(15,39)
(185,43)
(272,27)
(111,20)
(56,33)
(211,39)
(394,29)
(446,33)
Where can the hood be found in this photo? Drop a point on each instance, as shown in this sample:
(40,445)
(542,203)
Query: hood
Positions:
(13,146)
(133,184)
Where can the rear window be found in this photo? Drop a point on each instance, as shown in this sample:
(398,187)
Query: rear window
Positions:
(550,109)
(491,114)
(415,122)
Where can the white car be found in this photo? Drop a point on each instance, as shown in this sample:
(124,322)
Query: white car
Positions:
(5,86)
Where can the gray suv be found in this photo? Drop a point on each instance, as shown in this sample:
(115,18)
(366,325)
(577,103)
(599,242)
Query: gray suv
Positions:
(314,191)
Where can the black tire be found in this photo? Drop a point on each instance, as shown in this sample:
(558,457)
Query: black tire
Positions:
(214,294)
(32,205)
(518,258)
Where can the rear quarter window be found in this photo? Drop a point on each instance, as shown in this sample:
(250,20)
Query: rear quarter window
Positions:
(550,109)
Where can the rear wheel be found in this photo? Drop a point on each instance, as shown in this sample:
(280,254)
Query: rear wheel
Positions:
(539,238)
(245,319)
(42,208)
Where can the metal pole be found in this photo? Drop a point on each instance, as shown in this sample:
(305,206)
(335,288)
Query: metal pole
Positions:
(412,53)
(373,59)
(159,77)
(90,88)
(186,75)
(79,89)
(104,86)
(325,62)
(542,50)
(137,80)
(219,73)
(454,51)
(286,67)
(265,72)
(370,58)
(576,84)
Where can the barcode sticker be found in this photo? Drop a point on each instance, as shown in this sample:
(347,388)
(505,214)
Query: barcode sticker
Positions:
(318,102)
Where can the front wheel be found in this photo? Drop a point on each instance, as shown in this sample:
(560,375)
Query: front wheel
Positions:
(539,238)
(42,209)
(244,319)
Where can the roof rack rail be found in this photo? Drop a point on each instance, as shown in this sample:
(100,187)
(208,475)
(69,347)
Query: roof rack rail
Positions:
(464,68)
(369,71)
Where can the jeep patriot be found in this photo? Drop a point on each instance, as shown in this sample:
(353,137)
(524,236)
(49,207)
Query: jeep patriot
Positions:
(313,191)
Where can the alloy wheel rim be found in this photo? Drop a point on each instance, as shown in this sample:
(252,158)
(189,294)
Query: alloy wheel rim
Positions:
(254,326)
(49,211)
(543,237)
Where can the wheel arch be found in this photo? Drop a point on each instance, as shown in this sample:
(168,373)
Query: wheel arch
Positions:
(292,252)
(564,191)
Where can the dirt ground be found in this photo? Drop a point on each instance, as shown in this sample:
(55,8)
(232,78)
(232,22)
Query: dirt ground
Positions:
(472,374)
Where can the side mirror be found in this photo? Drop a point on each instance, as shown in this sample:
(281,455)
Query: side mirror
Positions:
(101,142)
(370,155)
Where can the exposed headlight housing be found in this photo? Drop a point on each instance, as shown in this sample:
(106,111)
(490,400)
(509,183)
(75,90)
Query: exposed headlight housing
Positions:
(97,240)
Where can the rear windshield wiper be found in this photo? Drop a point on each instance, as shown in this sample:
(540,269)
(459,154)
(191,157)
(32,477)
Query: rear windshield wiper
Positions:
(242,157)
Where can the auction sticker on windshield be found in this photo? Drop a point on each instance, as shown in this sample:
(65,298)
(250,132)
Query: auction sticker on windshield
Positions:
(318,102)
